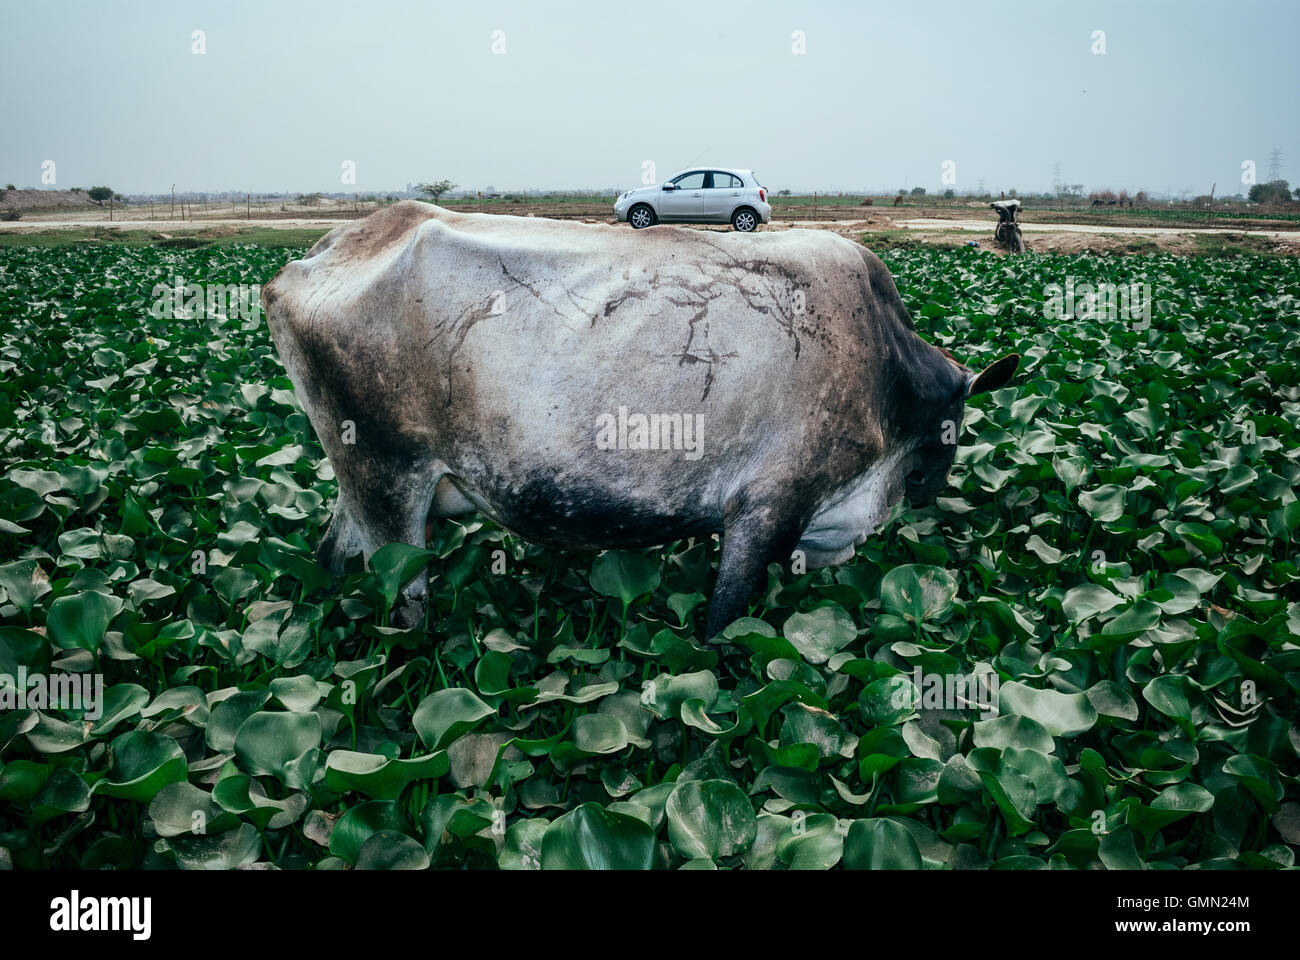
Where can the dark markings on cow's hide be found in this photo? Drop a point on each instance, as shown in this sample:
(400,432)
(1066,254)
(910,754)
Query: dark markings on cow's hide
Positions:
(461,327)
(374,235)
(709,359)
(330,376)
(585,311)
(629,294)
(579,515)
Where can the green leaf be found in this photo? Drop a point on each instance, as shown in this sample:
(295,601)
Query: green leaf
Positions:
(391,850)
(396,565)
(1061,714)
(625,574)
(880,844)
(590,837)
(81,619)
(143,762)
(377,776)
(820,633)
(25,583)
(268,742)
(447,714)
(1104,504)
(1087,601)
(596,733)
(710,819)
(888,701)
(918,593)
(359,823)
(229,715)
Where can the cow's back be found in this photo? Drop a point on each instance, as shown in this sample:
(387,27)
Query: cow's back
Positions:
(497,344)
(481,302)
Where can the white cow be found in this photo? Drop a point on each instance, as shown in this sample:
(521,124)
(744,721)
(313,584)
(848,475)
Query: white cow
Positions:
(590,386)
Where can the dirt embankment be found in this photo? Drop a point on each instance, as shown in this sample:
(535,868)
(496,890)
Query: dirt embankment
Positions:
(45,200)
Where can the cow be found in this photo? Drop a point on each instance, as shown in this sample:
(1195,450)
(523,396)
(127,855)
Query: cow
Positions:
(535,370)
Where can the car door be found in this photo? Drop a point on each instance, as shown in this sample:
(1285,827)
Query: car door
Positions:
(721,194)
(685,201)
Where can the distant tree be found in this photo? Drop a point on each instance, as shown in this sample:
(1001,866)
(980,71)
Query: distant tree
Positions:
(1276,191)
(1295,192)
(310,199)
(435,191)
(918,191)
(10,186)
(784,193)
(949,194)
(100,194)
(1140,197)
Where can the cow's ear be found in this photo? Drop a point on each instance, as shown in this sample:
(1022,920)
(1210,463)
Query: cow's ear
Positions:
(994,376)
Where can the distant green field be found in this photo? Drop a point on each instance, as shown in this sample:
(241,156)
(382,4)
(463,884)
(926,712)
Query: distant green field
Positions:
(1183,215)
(268,237)
(1045,211)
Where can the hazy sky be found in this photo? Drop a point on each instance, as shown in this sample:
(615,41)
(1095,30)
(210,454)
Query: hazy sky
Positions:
(585,93)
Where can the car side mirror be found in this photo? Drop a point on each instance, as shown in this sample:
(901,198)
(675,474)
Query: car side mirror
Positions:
(670,186)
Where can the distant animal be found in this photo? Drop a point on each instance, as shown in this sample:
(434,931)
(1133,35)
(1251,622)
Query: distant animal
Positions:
(587,387)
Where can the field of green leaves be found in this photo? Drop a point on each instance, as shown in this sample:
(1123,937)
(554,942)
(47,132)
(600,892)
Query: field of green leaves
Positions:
(1116,548)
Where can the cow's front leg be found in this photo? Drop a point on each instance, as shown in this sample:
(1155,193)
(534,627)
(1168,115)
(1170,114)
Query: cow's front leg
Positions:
(380,504)
(751,539)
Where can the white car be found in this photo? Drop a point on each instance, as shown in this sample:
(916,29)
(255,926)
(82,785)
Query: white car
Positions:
(701,195)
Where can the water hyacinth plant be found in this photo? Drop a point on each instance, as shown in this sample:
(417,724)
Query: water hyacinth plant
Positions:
(1116,551)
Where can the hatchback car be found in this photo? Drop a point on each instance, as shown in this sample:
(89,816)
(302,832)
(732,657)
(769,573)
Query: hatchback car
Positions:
(704,195)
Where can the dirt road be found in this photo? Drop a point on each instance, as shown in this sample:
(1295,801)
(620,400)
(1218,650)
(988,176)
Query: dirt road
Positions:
(977,226)
(1040,237)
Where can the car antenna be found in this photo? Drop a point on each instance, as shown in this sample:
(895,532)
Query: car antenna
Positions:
(697,156)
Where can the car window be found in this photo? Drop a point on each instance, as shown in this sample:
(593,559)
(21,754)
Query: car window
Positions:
(725,181)
(690,181)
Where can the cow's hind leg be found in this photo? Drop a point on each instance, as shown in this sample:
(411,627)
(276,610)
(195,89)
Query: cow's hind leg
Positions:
(380,504)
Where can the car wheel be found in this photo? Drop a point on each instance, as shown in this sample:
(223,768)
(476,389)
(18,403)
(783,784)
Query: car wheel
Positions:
(641,216)
(745,220)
